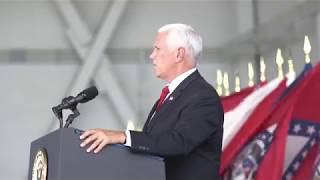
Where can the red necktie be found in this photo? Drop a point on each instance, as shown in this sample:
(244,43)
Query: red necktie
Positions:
(164,93)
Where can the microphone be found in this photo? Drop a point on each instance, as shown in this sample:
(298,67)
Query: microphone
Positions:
(83,97)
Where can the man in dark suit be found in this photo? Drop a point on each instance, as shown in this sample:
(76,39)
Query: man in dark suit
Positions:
(185,125)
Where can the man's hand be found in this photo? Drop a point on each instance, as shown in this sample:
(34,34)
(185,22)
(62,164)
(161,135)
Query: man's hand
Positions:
(100,138)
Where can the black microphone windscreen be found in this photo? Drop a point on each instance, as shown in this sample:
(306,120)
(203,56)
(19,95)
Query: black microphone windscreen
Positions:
(88,94)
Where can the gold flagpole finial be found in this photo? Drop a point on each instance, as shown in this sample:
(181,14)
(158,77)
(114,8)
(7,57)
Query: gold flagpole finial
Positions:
(262,70)
(237,83)
(219,82)
(250,74)
(279,61)
(226,84)
(307,49)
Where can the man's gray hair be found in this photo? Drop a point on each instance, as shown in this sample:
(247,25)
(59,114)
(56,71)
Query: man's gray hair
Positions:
(185,36)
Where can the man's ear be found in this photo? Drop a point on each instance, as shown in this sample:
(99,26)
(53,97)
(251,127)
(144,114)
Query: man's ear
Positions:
(181,52)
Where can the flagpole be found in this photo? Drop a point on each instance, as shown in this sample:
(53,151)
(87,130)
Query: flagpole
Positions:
(279,61)
(219,82)
(307,49)
(250,74)
(226,84)
(237,83)
(262,70)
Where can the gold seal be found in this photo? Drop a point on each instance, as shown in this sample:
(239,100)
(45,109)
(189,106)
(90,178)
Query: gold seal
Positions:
(40,165)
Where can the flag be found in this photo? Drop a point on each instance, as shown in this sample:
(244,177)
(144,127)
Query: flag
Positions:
(304,130)
(235,118)
(246,163)
(251,126)
(296,133)
(233,100)
(272,149)
(316,167)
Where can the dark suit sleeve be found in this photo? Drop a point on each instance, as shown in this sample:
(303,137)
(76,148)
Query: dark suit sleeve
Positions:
(200,117)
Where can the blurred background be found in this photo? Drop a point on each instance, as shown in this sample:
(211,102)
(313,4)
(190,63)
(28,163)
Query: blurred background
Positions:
(51,49)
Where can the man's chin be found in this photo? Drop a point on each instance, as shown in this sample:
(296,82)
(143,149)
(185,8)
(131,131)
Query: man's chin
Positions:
(156,74)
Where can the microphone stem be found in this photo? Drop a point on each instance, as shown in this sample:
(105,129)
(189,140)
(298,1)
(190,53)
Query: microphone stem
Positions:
(58,114)
(71,117)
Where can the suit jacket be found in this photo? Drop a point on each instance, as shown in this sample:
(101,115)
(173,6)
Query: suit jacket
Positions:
(187,131)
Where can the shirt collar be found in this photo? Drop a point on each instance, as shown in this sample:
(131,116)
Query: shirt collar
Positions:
(176,81)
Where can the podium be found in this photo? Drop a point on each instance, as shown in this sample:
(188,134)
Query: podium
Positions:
(60,156)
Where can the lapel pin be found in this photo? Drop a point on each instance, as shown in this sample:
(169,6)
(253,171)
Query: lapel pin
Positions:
(170,98)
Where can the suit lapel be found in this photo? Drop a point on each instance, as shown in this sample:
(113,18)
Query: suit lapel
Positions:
(150,115)
(167,104)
